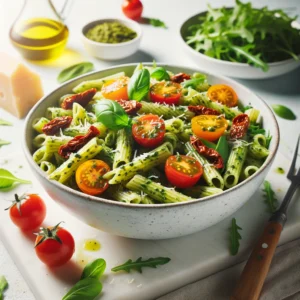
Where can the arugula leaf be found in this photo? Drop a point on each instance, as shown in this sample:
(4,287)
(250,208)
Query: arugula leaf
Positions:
(256,36)
(194,82)
(2,143)
(270,198)
(284,112)
(223,148)
(111,114)
(95,269)
(74,71)
(160,73)
(7,179)
(255,129)
(139,84)
(87,289)
(5,123)
(139,264)
(234,237)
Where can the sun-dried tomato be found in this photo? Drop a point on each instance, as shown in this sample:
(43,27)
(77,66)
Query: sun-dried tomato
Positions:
(212,155)
(239,126)
(131,107)
(56,124)
(180,77)
(77,142)
(202,110)
(82,98)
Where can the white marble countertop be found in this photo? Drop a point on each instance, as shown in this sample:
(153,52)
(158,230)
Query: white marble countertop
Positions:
(157,43)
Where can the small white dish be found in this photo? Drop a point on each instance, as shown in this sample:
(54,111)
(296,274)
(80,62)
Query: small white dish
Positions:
(106,51)
(233,69)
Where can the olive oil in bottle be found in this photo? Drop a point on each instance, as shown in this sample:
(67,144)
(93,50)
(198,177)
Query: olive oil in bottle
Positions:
(39,38)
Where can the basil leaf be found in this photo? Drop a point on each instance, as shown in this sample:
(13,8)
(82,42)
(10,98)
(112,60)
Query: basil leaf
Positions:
(223,148)
(95,269)
(7,179)
(74,71)
(243,109)
(111,114)
(194,82)
(5,123)
(157,23)
(283,112)
(2,142)
(87,289)
(139,85)
(208,144)
(3,284)
(160,73)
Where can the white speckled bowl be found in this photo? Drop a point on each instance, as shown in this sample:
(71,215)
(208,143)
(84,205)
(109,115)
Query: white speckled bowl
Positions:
(157,221)
(233,69)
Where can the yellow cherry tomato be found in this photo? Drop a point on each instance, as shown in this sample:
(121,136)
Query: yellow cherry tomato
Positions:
(116,89)
(224,94)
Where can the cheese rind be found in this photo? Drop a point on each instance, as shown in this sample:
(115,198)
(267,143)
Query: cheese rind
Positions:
(20,88)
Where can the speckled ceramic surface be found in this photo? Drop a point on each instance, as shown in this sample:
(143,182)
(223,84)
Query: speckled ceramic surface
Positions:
(152,221)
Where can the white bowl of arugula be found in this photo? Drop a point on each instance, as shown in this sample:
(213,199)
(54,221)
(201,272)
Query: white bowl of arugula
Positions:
(188,151)
(242,41)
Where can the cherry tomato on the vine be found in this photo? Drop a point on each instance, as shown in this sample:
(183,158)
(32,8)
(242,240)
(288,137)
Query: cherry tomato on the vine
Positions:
(28,211)
(149,131)
(183,171)
(132,9)
(54,246)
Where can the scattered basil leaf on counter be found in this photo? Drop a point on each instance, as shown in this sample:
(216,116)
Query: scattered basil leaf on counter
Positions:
(3,286)
(139,84)
(283,112)
(94,269)
(194,82)
(87,289)
(269,196)
(111,114)
(157,23)
(160,73)
(74,71)
(234,237)
(223,148)
(7,179)
(139,264)
(2,143)
(5,123)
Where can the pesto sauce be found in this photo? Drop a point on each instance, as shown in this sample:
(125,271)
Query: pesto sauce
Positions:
(111,33)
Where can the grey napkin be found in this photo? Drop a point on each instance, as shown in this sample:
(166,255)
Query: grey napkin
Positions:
(283,281)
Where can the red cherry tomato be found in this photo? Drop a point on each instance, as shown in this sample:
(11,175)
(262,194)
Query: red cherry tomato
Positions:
(167,92)
(132,9)
(28,212)
(54,246)
(183,171)
(149,131)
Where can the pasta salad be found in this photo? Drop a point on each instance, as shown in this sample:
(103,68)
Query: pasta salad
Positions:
(149,138)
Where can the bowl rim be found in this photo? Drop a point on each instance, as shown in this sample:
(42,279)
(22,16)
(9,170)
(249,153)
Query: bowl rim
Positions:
(225,62)
(133,25)
(28,155)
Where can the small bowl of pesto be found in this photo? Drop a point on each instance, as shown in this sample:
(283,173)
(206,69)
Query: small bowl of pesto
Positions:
(111,39)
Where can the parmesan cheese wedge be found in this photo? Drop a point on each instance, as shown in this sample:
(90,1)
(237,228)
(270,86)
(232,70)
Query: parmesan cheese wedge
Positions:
(20,88)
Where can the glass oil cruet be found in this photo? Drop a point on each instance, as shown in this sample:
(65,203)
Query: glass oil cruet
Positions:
(39,33)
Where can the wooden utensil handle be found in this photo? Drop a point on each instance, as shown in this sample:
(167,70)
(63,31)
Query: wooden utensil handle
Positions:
(257,267)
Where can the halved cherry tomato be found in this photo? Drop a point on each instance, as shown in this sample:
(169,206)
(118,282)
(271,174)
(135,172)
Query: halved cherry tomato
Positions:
(28,212)
(183,171)
(224,94)
(132,9)
(89,177)
(115,89)
(167,92)
(209,127)
(149,131)
(54,246)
